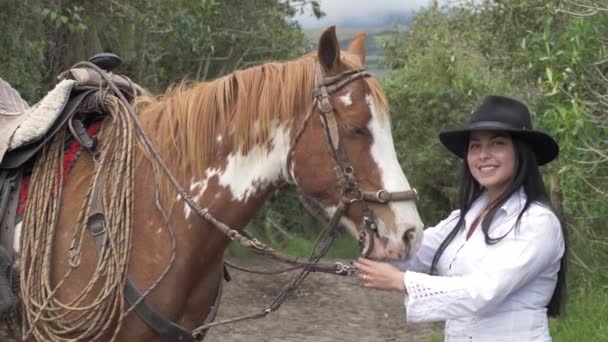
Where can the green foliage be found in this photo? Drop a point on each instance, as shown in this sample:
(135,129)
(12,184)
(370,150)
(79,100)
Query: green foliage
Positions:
(567,61)
(22,50)
(160,42)
(206,39)
(72,18)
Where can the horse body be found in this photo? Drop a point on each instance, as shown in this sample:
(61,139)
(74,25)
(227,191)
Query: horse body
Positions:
(232,142)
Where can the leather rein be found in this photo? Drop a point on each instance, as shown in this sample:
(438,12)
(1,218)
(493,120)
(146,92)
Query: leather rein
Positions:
(350,192)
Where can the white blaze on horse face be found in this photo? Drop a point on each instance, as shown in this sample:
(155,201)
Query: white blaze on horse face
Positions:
(393,179)
(346,99)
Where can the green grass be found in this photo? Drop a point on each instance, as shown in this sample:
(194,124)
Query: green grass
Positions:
(436,338)
(586,316)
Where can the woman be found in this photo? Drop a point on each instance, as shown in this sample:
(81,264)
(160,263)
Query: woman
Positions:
(497,267)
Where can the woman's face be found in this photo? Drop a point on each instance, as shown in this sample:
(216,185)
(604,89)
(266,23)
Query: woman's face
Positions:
(491,159)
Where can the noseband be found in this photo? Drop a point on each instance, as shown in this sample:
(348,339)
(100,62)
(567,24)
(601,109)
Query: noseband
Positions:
(350,190)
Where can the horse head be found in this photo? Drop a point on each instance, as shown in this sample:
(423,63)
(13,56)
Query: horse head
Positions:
(344,155)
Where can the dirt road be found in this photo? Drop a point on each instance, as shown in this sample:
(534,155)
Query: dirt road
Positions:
(325,308)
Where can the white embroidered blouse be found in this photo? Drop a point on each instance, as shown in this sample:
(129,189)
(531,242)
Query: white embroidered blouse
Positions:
(488,292)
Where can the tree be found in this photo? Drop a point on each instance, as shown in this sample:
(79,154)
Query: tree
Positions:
(161,42)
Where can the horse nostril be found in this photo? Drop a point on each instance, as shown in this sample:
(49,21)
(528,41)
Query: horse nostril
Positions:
(384,240)
(410,234)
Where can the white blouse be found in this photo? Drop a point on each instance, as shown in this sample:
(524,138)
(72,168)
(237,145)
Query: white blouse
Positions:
(489,292)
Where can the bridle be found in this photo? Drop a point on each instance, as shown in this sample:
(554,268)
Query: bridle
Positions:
(349,188)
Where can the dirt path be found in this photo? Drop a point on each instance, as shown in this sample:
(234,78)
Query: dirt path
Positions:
(325,308)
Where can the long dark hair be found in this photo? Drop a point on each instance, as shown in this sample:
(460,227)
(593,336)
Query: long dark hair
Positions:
(527,176)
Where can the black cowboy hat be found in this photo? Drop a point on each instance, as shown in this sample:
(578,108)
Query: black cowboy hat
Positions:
(498,113)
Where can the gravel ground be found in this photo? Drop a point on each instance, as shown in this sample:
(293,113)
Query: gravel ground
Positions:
(325,308)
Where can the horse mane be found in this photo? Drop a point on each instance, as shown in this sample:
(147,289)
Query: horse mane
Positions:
(241,109)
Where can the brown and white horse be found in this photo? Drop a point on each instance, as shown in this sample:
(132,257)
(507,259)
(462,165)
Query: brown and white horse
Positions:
(229,143)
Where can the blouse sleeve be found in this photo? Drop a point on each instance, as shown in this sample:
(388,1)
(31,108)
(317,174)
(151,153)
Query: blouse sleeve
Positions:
(431,240)
(509,265)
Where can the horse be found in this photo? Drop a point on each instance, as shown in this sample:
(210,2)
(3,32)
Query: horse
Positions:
(232,142)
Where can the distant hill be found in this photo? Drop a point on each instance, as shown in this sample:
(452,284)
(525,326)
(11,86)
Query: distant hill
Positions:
(387,19)
(357,22)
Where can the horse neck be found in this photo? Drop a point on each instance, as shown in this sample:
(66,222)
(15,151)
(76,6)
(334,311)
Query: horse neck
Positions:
(237,182)
(244,159)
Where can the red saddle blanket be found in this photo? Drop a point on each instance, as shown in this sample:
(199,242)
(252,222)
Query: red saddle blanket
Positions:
(69,158)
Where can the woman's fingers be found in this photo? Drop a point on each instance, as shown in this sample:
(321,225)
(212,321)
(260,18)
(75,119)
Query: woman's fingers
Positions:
(379,275)
(366,262)
(365,265)
(361,267)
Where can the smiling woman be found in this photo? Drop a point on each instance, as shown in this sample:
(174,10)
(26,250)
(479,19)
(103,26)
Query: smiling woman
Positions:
(491,159)
(500,282)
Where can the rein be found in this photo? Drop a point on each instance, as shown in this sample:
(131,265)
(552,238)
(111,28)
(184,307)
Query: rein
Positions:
(350,190)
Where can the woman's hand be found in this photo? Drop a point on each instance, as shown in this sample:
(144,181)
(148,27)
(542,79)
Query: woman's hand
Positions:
(380,275)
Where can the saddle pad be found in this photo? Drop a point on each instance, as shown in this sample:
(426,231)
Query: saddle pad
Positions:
(39,118)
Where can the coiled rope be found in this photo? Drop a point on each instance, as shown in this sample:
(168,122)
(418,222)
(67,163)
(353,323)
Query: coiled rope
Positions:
(99,305)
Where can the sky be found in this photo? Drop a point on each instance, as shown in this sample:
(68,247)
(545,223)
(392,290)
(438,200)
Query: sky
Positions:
(365,12)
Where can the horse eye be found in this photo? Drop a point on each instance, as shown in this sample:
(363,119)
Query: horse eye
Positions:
(357,130)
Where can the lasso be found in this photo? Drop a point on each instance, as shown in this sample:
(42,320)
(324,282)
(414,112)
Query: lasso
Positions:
(100,305)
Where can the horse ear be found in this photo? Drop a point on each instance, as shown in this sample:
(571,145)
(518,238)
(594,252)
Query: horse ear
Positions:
(357,47)
(329,49)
